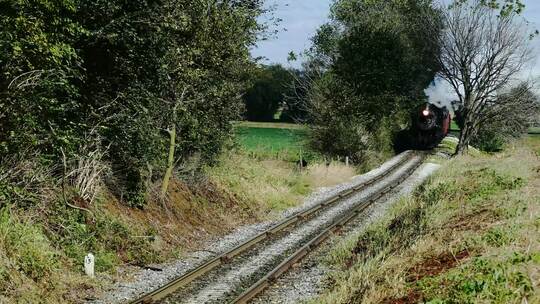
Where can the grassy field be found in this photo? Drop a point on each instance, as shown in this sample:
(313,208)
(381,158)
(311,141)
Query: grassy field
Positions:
(272,140)
(469,235)
(270,125)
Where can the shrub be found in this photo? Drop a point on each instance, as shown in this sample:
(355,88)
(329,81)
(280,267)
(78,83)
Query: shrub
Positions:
(127,70)
(26,245)
(368,66)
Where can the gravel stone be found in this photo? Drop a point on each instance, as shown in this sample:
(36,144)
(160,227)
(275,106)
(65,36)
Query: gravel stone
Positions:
(143,281)
(258,263)
(308,279)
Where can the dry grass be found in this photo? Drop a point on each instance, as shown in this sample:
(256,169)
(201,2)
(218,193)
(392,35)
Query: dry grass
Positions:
(273,185)
(191,215)
(469,236)
(321,175)
(38,226)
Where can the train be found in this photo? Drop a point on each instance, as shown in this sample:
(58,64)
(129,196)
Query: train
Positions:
(429,125)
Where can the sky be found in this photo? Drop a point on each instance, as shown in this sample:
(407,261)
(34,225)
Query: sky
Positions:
(301,18)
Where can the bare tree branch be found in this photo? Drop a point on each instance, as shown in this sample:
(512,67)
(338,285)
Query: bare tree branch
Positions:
(482,53)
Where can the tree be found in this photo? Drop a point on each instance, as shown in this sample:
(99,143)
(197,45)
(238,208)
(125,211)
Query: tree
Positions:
(510,116)
(39,66)
(294,109)
(266,96)
(368,66)
(383,52)
(482,51)
(118,67)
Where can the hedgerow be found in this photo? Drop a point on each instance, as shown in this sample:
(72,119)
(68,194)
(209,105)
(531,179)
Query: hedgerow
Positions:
(123,72)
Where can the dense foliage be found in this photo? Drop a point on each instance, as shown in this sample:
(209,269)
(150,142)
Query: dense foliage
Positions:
(271,84)
(369,65)
(115,74)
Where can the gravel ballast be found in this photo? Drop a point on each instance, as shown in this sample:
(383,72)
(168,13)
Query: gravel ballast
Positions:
(307,279)
(143,281)
(258,264)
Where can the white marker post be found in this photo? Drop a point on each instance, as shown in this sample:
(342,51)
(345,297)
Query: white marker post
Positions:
(89,261)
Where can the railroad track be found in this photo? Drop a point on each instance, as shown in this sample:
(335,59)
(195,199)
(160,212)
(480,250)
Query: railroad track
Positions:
(303,243)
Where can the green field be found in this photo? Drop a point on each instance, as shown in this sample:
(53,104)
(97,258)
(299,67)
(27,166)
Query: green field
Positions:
(270,125)
(269,140)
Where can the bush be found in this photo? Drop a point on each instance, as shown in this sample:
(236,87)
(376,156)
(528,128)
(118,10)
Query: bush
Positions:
(26,245)
(489,141)
(127,70)
(368,67)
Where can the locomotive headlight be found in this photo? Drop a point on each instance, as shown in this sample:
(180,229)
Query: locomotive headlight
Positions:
(425,112)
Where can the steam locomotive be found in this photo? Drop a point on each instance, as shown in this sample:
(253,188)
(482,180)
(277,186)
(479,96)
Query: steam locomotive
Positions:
(429,126)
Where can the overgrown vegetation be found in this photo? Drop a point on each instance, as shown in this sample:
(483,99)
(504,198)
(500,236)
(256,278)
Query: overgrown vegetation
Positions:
(43,239)
(122,73)
(468,235)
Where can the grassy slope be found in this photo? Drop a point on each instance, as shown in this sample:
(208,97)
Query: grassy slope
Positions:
(469,235)
(264,171)
(272,184)
(43,241)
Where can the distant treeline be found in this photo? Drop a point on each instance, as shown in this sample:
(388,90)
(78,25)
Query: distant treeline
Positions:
(274,95)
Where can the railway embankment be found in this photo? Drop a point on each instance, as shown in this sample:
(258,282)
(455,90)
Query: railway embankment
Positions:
(468,235)
(147,280)
(43,240)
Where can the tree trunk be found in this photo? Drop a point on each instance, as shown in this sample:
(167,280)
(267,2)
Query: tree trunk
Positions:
(170,163)
(464,138)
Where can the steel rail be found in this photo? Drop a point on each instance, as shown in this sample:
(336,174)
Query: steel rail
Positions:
(298,255)
(224,258)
